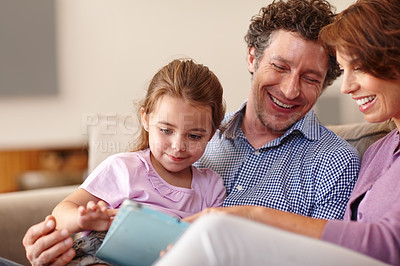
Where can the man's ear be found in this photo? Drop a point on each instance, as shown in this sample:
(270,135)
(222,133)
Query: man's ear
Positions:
(251,60)
(145,119)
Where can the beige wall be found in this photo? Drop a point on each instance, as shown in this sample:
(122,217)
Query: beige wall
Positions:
(108,51)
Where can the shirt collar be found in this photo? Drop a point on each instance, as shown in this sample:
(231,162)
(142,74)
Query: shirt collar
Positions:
(308,126)
(232,122)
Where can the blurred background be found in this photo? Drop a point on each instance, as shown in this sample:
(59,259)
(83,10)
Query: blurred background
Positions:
(64,61)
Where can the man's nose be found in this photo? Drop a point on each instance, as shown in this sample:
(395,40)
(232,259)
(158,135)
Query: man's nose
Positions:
(290,87)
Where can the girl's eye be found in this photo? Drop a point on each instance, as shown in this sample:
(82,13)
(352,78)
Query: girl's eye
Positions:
(194,137)
(165,131)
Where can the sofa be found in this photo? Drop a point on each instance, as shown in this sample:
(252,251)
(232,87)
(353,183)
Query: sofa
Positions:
(108,134)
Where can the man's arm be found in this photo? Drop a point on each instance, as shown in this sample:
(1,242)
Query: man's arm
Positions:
(338,173)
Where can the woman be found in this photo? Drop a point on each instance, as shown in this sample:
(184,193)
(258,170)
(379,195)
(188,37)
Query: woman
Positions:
(366,39)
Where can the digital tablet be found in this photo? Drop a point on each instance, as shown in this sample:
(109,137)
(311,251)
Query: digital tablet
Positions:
(138,234)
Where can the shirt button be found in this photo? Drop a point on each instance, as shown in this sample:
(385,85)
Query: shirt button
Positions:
(239,188)
(256,152)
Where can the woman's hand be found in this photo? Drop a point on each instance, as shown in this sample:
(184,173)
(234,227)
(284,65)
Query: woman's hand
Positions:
(242,211)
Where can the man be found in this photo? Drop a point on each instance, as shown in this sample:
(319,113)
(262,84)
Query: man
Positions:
(272,152)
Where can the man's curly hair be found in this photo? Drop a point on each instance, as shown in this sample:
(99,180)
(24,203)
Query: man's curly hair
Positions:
(307,17)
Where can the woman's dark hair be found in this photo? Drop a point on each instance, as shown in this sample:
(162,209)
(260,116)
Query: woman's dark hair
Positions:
(369,32)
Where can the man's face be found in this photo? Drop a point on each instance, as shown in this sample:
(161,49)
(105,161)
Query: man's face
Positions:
(288,80)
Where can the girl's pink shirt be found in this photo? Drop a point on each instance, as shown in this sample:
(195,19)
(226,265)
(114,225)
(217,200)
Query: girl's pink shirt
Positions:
(131,175)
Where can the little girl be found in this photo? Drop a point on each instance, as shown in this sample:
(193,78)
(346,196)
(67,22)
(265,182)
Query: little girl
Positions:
(179,115)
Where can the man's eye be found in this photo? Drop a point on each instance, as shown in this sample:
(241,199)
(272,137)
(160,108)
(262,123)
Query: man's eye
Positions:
(311,80)
(165,131)
(278,67)
(194,137)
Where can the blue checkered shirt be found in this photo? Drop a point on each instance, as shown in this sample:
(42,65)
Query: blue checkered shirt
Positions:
(309,170)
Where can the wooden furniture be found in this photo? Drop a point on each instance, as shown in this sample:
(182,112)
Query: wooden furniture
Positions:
(44,168)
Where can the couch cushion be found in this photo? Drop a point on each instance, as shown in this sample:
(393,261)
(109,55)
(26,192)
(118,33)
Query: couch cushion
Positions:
(20,210)
(362,135)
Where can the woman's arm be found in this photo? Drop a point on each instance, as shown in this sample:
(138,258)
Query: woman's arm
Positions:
(284,220)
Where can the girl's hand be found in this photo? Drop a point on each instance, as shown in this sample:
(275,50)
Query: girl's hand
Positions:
(95,216)
(164,251)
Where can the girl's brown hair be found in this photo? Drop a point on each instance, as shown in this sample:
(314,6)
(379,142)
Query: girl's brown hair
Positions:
(187,80)
(369,32)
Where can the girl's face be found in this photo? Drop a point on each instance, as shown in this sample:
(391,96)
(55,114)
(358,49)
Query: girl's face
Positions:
(178,133)
(377,99)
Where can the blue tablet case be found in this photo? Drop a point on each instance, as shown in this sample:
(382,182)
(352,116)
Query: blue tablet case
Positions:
(138,234)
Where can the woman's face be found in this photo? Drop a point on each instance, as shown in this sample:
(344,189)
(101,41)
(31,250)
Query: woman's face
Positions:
(377,99)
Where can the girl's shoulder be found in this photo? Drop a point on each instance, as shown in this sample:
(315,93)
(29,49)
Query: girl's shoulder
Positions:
(203,171)
(130,155)
(205,176)
(125,159)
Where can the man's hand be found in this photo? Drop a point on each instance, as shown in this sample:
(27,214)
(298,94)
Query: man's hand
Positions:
(45,245)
